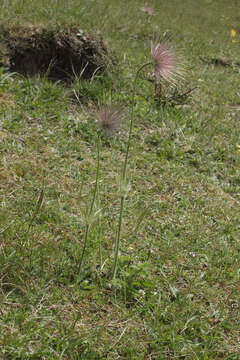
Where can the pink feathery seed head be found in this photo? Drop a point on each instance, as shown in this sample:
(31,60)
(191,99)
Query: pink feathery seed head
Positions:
(166,64)
(147,9)
(109,119)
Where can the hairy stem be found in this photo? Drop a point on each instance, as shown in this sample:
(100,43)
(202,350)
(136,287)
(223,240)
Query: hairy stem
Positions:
(89,215)
(123,178)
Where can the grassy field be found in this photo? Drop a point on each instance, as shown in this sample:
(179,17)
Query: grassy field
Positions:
(177,290)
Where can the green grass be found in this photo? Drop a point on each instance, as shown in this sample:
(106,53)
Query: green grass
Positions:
(176,295)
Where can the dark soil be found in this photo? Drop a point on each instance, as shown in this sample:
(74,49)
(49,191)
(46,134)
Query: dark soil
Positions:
(57,54)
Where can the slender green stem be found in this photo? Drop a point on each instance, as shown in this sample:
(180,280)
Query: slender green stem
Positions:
(117,241)
(123,178)
(97,173)
(84,247)
(89,215)
(132,117)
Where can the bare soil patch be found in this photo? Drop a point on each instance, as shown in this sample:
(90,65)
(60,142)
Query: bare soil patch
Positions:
(59,54)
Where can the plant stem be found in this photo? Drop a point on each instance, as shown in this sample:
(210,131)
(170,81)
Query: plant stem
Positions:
(89,215)
(117,241)
(132,117)
(158,91)
(123,178)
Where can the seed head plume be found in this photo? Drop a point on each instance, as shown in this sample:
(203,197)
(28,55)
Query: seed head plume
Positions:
(109,119)
(167,65)
(147,9)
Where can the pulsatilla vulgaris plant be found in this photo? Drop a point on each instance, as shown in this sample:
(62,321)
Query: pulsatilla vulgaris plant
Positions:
(108,119)
(166,68)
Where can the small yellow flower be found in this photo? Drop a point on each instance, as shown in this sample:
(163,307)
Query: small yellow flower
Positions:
(238,148)
(233,33)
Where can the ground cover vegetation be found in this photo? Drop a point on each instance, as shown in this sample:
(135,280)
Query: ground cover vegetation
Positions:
(119,216)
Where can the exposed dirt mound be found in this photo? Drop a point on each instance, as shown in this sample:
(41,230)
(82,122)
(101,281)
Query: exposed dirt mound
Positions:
(58,54)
